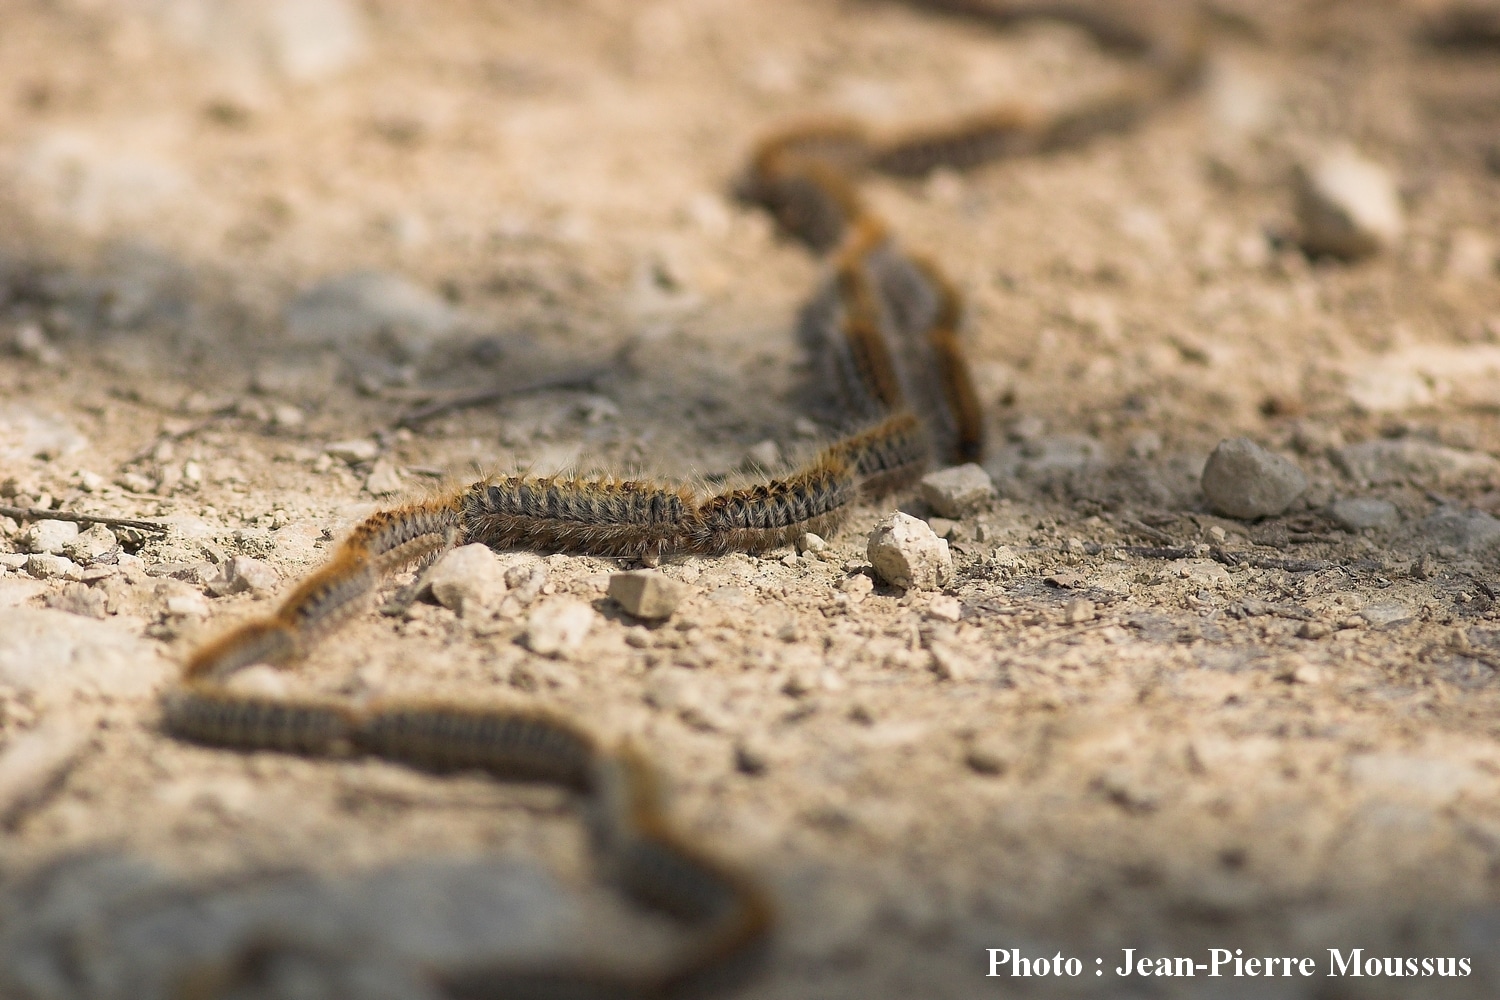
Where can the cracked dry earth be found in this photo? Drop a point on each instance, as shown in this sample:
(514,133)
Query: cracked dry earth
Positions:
(240,243)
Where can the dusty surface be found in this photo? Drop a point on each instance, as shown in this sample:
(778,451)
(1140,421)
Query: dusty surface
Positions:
(1151,728)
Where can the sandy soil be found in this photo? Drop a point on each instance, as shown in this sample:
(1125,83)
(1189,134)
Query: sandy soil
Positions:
(1281,739)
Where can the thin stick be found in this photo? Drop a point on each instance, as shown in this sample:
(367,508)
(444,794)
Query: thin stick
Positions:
(37,514)
(576,379)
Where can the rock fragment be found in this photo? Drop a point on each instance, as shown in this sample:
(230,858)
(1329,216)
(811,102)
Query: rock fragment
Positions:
(1359,513)
(1411,459)
(353,451)
(905,552)
(96,545)
(45,566)
(79,599)
(467,580)
(945,609)
(384,479)
(1348,206)
(48,536)
(646,593)
(244,574)
(1462,530)
(1243,480)
(957,492)
(558,628)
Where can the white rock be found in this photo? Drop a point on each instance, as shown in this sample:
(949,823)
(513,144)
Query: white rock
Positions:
(945,608)
(558,628)
(384,479)
(48,536)
(1078,610)
(1411,459)
(468,580)
(97,544)
(1358,513)
(1241,479)
(1348,206)
(526,577)
(45,566)
(186,604)
(242,574)
(34,761)
(959,491)
(353,452)
(809,543)
(52,652)
(645,593)
(905,553)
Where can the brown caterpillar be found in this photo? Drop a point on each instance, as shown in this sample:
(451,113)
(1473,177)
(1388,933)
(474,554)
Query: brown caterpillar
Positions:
(884,327)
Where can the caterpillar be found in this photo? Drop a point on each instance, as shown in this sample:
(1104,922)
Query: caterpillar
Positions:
(883,328)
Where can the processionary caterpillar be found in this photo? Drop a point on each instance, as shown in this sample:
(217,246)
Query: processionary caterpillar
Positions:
(883,328)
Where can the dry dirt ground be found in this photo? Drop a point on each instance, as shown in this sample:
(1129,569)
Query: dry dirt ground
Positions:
(1152,727)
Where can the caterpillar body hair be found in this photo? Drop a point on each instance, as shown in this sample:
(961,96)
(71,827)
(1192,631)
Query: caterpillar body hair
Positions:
(884,329)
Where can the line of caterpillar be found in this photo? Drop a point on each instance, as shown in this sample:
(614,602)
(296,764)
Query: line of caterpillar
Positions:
(884,329)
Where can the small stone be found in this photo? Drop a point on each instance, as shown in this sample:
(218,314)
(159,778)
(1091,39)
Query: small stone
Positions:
(949,663)
(384,479)
(96,545)
(285,416)
(1348,206)
(1359,513)
(905,553)
(1471,256)
(527,578)
(1410,459)
(857,587)
(48,536)
(469,579)
(1078,610)
(558,628)
(354,452)
(941,526)
(988,755)
(44,566)
(1464,530)
(1300,673)
(762,456)
(185,604)
(79,599)
(1313,630)
(646,593)
(808,542)
(134,482)
(959,491)
(945,609)
(1243,480)
(242,574)
(1385,613)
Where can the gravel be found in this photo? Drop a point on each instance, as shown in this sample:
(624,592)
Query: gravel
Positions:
(1348,205)
(558,628)
(48,536)
(1243,480)
(1410,459)
(959,491)
(469,579)
(1359,513)
(647,594)
(244,574)
(905,553)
